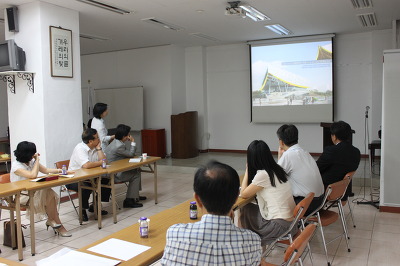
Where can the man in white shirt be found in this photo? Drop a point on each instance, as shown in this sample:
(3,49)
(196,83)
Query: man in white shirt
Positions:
(88,154)
(302,170)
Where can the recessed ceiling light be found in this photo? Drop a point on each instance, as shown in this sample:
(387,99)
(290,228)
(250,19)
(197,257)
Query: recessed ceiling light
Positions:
(279,29)
(199,10)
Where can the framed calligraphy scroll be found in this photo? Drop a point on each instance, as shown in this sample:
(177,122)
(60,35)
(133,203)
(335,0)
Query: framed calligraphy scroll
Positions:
(61,52)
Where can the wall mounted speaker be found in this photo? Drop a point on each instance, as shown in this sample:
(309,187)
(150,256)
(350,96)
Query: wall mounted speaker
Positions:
(12,18)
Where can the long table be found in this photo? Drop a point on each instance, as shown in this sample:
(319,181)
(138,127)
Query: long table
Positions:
(124,165)
(79,176)
(12,192)
(159,223)
(94,175)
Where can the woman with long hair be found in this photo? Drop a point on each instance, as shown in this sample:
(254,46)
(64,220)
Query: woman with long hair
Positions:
(100,111)
(268,181)
(27,166)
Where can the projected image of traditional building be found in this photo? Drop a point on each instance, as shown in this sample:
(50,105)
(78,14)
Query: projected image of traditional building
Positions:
(292,74)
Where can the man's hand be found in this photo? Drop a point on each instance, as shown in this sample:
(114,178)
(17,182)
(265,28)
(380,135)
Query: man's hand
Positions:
(98,145)
(280,151)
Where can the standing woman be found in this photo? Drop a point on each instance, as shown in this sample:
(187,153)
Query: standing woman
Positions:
(266,179)
(99,112)
(45,201)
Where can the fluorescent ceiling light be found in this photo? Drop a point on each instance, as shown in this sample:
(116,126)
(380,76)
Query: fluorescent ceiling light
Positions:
(106,6)
(93,37)
(203,36)
(279,29)
(253,13)
(359,4)
(367,20)
(163,24)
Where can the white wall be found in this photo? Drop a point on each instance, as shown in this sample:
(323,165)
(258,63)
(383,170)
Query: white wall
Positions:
(217,86)
(147,67)
(3,109)
(51,117)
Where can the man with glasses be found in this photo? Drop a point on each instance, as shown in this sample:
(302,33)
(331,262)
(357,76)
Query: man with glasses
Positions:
(88,154)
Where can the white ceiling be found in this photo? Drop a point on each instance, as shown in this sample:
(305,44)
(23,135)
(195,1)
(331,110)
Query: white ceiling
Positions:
(302,17)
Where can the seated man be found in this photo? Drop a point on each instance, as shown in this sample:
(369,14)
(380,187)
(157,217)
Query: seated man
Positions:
(339,159)
(214,240)
(88,154)
(303,173)
(117,150)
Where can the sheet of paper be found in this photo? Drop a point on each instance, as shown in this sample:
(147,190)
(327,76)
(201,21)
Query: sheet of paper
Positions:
(69,176)
(135,160)
(119,249)
(76,258)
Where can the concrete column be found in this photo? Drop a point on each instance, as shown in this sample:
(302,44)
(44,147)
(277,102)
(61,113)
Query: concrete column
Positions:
(51,117)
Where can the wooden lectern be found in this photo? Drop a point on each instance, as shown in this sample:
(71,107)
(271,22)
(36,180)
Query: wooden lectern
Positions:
(184,135)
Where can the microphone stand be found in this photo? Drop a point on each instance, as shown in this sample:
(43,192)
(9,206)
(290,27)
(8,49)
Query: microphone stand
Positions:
(372,202)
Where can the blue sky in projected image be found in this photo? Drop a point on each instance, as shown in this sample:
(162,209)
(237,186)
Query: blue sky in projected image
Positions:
(286,61)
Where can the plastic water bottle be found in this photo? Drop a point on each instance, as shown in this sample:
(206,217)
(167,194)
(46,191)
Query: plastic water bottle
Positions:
(144,227)
(193,210)
(104,164)
(64,169)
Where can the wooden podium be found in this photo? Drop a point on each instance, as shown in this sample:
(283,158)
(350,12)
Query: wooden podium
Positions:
(184,135)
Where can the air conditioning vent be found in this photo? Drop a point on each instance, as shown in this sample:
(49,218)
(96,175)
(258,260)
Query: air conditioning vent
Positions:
(368,20)
(163,24)
(106,6)
(203,36)
(359,4)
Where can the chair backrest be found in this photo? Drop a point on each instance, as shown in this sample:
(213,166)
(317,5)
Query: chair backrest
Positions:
(296,249)
(304,204)
(5,178)
(338,190)
(349,176)
(59,164)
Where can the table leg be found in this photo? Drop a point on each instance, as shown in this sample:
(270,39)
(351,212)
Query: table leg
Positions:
(80,201)
(155,183)
(99,202)
(32,221)
(114,205)
(12,227)
(19,231)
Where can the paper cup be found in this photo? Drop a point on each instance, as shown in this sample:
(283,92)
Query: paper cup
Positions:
(144,156)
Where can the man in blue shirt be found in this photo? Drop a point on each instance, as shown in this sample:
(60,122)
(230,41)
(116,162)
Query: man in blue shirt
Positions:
(214,240)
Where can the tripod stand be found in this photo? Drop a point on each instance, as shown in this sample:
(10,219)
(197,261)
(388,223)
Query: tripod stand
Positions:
(372,202)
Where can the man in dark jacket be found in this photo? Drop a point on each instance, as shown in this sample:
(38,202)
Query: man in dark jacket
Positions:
(339,159)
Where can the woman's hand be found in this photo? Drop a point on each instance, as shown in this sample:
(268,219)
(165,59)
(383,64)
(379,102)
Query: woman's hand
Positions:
(36,157)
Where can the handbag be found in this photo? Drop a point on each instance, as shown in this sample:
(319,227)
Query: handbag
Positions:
(7,235)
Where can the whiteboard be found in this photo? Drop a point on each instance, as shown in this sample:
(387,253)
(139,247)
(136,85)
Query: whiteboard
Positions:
(125,106)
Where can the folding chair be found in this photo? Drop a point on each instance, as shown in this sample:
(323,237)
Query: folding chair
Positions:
(294,252)
(324,217)
(349,176)
(298,213)
(59,165)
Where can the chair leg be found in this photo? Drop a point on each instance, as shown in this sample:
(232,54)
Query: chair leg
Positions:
(342,217)
(73,204)
(323,238)
(351,215)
